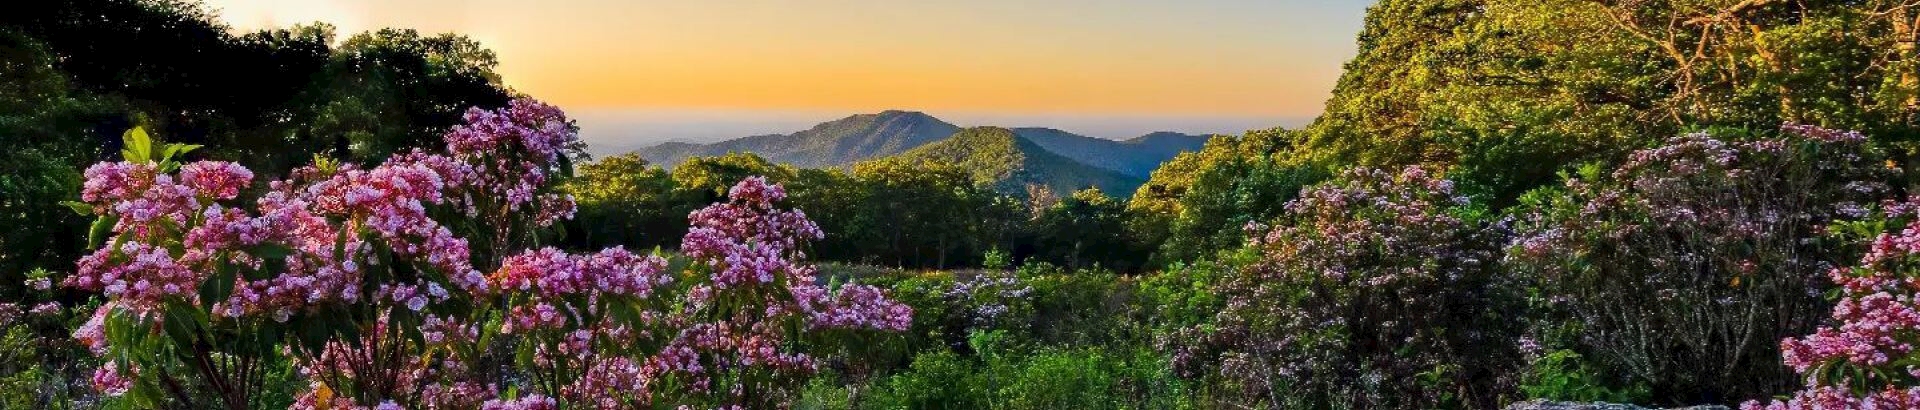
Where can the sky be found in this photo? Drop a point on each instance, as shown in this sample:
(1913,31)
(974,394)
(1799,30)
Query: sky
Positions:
(640,71)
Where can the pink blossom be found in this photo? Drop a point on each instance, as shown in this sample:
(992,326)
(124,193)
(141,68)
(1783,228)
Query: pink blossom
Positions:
(216,179)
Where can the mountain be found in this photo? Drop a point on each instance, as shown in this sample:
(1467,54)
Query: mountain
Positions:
(1136,157)
(830,144)
(1010,162)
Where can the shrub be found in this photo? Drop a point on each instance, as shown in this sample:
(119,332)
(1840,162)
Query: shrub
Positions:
(1563,375)
(1681,266)
(1373,290)
(937,380)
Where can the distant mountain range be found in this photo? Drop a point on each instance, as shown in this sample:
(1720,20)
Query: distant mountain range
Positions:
(1008,158)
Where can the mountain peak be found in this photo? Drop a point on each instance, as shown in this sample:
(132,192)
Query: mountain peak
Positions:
(829,144)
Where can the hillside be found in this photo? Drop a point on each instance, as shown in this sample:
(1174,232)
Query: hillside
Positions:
(1137,157)
(1010,162)
(829,144)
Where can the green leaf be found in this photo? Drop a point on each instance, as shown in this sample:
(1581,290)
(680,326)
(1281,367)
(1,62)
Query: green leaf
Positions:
(313,335)
(102,227)
(139,145)
(78,207)
(220,285)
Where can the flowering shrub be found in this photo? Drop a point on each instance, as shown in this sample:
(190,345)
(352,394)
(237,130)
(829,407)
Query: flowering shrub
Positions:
(991,299)
(1681,266)
(343,263)
(1372,291)
(36,360)
(1866,359)
(371,282)
(613,330)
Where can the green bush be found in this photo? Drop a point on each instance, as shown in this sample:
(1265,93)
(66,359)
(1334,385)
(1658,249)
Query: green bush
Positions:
(937,380)
(1563,375)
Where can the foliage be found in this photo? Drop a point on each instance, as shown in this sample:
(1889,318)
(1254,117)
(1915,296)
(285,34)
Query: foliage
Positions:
(1508,92)
(1683,263)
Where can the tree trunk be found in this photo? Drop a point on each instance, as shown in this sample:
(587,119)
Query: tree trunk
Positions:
(1903,45)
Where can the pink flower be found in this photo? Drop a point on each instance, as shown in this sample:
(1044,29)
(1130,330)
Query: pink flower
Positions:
(530,402)
(109,381)
(216,179)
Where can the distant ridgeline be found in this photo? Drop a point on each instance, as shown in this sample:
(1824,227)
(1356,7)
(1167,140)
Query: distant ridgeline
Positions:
(1008,159)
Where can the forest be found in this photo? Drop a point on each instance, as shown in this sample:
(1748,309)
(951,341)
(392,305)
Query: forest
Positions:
(1660,203)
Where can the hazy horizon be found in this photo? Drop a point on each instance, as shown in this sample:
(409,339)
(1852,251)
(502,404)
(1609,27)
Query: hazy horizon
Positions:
(617,130)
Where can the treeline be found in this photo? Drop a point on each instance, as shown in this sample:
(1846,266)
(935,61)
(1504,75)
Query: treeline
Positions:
(898,213)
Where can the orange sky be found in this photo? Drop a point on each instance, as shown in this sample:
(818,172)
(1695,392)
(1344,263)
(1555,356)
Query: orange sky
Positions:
(1262,58)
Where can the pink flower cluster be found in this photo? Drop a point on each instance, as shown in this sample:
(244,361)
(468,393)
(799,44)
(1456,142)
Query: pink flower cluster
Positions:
(748,243)
(745,240)
(751,251)
(750,289)
(109,381)
(550,273)
(514,150)
(139,195)
(530,402)
(216,179)
(139,275)
(1684,243)
(391,200)
(1835,398)
(1878,330)
(545,280)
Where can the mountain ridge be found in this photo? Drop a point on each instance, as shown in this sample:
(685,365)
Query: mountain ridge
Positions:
(1009,162)
(829,144)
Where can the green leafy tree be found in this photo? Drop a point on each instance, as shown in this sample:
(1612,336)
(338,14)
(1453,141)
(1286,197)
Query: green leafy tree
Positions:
(1198,203)
(928,213)
(623,200)
(1087,229)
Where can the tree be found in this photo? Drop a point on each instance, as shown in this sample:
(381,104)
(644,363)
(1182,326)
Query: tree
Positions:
(931,213)
(626,201)
(1087,229)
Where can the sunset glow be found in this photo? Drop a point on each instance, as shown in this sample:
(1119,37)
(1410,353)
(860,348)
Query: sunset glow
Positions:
(1217,57)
